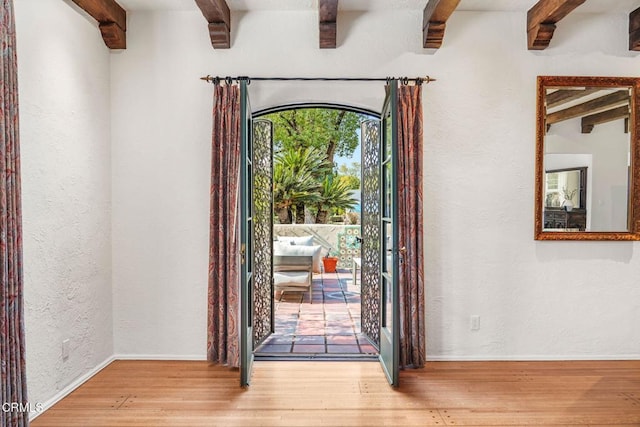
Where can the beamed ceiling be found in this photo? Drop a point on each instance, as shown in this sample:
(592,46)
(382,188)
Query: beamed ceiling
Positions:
(593,106)
(543,16)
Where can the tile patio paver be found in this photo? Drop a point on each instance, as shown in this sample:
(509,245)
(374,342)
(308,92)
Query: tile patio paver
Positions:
(308,348)
(342,349)
(329,326)
(310,339)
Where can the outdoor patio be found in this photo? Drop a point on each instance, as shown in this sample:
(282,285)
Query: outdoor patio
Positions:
(328,327)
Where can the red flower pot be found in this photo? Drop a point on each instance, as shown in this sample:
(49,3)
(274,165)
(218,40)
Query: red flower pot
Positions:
(330,264)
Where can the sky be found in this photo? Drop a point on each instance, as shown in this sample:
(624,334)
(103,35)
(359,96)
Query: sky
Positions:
(356,157)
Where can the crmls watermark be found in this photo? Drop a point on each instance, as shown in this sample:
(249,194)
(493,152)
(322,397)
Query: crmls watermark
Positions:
(21,407)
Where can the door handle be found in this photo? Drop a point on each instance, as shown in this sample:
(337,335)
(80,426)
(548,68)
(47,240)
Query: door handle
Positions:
(243,251)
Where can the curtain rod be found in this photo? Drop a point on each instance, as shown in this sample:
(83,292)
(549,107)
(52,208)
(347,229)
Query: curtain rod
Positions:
(405,80)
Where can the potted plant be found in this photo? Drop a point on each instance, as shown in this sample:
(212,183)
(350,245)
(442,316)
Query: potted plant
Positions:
(329,262)
(567,204)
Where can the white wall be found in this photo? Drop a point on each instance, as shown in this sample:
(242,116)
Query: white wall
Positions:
(66,182)
(535,299)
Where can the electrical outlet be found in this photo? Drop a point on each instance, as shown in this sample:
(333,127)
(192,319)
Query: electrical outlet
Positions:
(475,322)
(65,349)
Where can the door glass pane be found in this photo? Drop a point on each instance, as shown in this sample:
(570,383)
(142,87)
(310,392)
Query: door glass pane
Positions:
(388,304)
(388,248)
(250,288)
(389,136)
(388,194)
(250,190)
(383,306)
(249,251)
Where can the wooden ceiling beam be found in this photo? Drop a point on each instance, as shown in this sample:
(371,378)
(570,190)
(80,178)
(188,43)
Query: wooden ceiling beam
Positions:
(328,17)
(542,19)
(218,15)
(111,18)
(596,105)
(563,96)
(588,122)
(434,21)
(634,30)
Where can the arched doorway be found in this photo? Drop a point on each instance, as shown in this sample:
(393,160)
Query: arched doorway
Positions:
(322,321)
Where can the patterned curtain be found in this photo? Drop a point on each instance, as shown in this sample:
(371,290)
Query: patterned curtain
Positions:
(410,214)
(12,356)
(224,304)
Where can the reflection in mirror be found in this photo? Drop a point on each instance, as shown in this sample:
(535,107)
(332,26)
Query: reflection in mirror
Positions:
(572,138)
(586,142)
(565,199)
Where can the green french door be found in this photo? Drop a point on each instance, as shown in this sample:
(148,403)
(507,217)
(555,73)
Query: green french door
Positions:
(256,232)
(389,290)
(380,256)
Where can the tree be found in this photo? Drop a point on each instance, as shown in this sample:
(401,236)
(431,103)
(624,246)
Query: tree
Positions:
(334,195)
(297,177)
(350,175)
(307,141)
(352,169)
(329,130)
(351,182)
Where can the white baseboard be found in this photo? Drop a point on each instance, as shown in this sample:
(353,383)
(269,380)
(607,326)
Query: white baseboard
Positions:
(160,357)
(71,387)
(530,358)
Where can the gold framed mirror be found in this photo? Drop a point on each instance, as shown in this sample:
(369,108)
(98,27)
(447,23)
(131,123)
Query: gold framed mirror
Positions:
(587,158)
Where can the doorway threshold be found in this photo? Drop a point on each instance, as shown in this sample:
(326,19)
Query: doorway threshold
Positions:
(323,357)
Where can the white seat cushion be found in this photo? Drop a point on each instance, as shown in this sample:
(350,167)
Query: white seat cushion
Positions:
(291,278)
(297,240)
(285,249)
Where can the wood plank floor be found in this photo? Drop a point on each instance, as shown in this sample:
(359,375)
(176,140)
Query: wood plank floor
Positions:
(179,393)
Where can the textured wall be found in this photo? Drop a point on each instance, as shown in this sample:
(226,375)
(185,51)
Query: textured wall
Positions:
(66,170)
(535,299)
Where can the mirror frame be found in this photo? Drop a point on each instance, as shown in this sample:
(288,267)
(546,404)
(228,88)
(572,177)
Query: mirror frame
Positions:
(633,215)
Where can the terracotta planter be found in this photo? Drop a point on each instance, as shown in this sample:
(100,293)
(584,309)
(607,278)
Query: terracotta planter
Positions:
(329,264)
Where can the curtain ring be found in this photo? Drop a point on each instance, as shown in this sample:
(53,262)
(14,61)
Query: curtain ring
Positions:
(229,81)
(216,81)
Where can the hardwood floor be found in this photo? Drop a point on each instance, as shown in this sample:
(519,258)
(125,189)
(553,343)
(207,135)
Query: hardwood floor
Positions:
(179,393)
